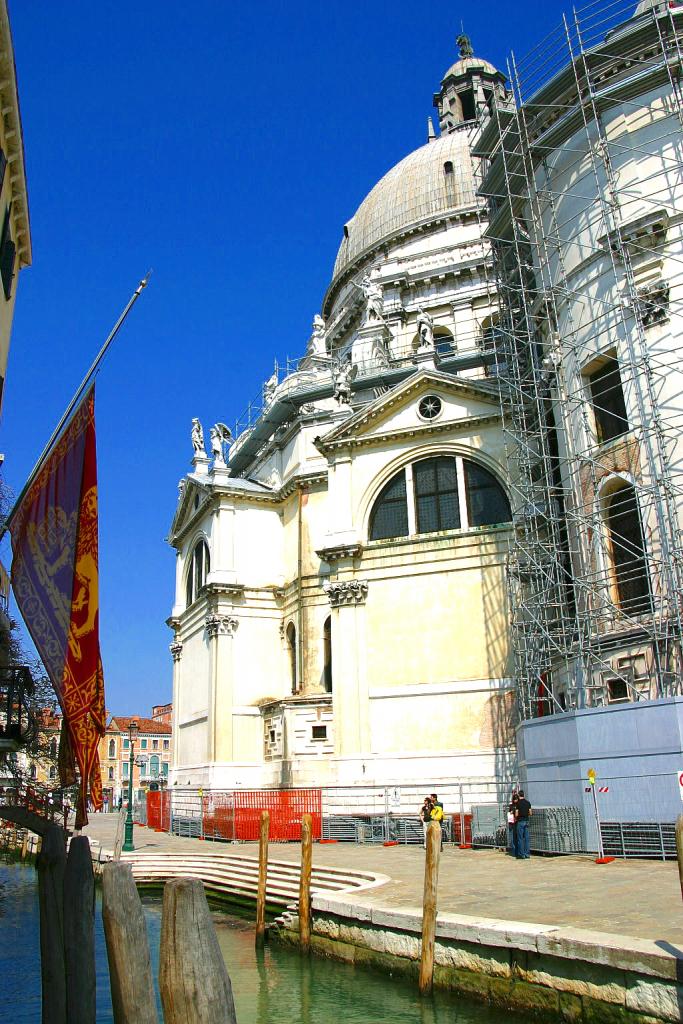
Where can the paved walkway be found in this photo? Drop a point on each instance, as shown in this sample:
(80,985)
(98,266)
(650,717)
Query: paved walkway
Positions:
(640,898)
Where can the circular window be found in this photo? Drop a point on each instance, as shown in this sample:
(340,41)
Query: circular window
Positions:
(429,407)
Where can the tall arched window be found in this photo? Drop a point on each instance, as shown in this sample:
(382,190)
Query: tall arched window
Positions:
(327,655)
(112,748)
(197,571)
(446,492)
(627,549)
(154,766)
(291,647)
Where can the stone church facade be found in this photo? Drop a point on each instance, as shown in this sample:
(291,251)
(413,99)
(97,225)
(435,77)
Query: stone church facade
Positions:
(340,612)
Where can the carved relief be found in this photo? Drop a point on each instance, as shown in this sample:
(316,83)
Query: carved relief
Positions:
(176,649)
(346,592)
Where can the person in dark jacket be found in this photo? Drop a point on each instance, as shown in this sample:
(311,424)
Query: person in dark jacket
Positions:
(522,815)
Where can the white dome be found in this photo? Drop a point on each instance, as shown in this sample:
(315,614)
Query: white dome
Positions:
(431,181)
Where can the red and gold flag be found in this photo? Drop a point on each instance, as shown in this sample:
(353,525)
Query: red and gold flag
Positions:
(55,583)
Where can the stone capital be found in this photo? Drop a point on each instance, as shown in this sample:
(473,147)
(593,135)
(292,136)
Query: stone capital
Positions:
(176,649)
(221,625)
(346,592)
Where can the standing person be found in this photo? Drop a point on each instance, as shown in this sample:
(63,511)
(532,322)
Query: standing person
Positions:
(512,824)
(437,814)
(522,815)
(425,818)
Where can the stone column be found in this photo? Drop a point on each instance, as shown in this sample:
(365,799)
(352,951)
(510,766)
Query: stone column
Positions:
(176,649)
(350,700)
(220,630)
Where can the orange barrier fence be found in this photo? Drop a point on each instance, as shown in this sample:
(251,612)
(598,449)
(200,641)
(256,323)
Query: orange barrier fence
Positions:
(286,807)
(235,815)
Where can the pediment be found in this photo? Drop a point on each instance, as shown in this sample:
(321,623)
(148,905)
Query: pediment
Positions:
(188,492)
(397,412)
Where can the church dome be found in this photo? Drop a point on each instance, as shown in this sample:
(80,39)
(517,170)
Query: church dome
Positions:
(467,65)
(429,182)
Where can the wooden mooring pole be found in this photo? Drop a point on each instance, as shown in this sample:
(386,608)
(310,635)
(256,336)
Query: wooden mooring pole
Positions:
(305,883)
(193,979)
(262,878)
(679,848)
(51,865)
(429,907)
(79,932)
(130,967)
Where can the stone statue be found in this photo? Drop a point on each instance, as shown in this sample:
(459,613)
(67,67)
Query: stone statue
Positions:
(374,302)
(342,376)
(269,387)
(197,437)
(425,330)
(220,435)
(464,45)
(181,488)
(317,345)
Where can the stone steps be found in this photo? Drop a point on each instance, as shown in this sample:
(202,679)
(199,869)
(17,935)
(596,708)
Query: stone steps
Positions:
(238,876)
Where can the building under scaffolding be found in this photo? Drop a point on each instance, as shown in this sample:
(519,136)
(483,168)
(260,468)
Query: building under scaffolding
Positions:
(583,175)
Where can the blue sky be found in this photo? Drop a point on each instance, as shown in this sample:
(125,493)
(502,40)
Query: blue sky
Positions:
(224,145)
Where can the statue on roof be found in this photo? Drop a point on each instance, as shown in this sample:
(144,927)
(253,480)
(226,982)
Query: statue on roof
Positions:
(220,436)
(425,331)
(269,387)
(317,345)
(342,376)
(464,44)
(374,300)
(197,437)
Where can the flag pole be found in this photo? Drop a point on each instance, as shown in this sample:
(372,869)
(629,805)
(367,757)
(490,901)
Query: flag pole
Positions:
(74,401)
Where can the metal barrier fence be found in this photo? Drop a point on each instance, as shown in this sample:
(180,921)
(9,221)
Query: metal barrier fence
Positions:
(475,815)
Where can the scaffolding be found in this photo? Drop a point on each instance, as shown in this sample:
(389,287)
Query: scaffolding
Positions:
(584,184)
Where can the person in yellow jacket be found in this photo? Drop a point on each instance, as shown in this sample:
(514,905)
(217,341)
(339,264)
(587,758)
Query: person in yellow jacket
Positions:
(437,812)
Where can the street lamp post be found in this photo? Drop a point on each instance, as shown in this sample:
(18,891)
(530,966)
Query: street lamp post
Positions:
(128,837)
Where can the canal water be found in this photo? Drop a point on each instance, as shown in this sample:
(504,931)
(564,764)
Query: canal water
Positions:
(278,987)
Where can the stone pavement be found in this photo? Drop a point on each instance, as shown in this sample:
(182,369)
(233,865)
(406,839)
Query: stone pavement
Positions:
(639,898)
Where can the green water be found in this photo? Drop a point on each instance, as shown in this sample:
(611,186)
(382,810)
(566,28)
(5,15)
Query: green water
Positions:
(278,987)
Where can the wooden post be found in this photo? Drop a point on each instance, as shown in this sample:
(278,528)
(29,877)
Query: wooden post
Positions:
(679,848)
(130,967)
(24,845)
(79,932)
(51,864)
(429,907)
(305,883)
(262,878)
(193,979)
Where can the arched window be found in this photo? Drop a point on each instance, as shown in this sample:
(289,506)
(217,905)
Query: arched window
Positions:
(197,571)
(327,655)
(112,748)
(442,493)
(154,766)
(291,647)
(490,333)
(627,549)
(390,513)
(53,747)
(33,772)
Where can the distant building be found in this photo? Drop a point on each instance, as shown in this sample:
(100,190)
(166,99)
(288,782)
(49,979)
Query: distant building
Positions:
(153,753)
(163,713)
